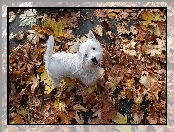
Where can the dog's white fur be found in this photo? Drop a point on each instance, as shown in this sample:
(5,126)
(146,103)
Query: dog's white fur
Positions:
(82,65)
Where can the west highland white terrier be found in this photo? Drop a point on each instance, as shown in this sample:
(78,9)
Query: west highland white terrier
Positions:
(85,64)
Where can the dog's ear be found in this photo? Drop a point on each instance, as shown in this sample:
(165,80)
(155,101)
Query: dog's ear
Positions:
(90,35)
(77,45)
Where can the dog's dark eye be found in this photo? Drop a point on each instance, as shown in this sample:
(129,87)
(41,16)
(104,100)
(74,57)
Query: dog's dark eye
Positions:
(93,48)
(86,55)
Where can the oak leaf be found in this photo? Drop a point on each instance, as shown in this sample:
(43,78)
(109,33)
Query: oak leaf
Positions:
(34,36)
(28,18)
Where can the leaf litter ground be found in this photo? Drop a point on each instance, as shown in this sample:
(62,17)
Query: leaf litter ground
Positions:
(132,84)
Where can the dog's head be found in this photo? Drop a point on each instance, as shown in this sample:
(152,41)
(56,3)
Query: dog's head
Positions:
(90,52)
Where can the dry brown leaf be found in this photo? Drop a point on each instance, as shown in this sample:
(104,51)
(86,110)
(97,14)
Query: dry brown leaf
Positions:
(12,16)
(99,13)
(79,107)
(79,119)
(34,36)
(98,30)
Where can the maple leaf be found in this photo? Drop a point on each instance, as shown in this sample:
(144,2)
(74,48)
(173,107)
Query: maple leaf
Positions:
(56,27)
(151,15)
(34,36)
(110,13)
(28,18)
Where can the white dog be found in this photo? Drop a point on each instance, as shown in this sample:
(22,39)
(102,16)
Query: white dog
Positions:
(85,64)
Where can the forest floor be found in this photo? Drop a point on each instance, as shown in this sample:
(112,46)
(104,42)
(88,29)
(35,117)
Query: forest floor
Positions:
(132,85)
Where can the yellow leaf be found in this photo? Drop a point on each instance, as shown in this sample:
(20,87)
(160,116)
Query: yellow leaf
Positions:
(138,99)
(120,119)
(150,16)
(68,84)
(60,105)
(91,89)
(22,111)
(57,27)
(110,13)
(47,82)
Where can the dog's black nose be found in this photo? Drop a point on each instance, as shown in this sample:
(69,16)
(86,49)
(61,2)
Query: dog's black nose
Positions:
(94,60)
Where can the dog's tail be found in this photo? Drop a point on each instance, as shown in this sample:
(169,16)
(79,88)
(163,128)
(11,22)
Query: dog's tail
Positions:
(49,50)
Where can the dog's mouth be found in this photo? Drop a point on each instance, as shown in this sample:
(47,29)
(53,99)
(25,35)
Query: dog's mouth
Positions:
(95,63)
(94,60)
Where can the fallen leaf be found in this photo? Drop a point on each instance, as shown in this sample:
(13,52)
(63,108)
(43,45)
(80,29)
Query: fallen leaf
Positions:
(120,119)
(79,107)
(110,13)
(34,36)
(17,119)
(19,36)
(98,30)
(99,13)
(28,18)
(60,105)
(12,16)
(147,80)
(56,27)
(22,111)
(151,15)
(130,48)
(47,82)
